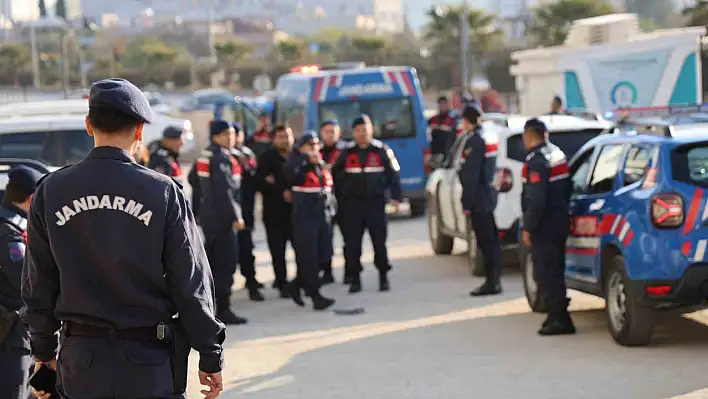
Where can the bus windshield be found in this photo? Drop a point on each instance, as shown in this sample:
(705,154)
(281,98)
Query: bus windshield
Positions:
(391,117)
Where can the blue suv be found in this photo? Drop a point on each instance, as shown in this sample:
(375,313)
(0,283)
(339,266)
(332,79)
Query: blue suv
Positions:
(639,226)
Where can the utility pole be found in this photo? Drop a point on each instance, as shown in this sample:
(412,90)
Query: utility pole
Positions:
(35,54)
(464,47)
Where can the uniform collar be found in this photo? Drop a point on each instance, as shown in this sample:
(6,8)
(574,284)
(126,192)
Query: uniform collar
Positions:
(537,147)
(106,152)
(216,147)
(14,215)
(172,153)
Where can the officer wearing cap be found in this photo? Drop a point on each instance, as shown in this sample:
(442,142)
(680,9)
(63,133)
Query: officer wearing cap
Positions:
(246,260)
(164,158)
(479,197)
(363,173)
(442,129)
(332,146)
(545,202)
(113,256)
(220,214)
(313,208)
(15,360)
(261,140)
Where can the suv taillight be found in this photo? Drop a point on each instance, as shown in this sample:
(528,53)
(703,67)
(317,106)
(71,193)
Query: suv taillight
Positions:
(426,161)
(503,180)
(667,210)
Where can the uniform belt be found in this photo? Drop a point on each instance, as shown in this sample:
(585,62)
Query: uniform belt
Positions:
(158,333)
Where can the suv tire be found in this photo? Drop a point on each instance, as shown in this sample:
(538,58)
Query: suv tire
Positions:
(442,244)
(533,296)
(630,321)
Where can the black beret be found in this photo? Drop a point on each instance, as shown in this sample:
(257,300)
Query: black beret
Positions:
(360,120)
(472,111)
(442,99)
(25,177)
(329,122)
(307,137)
(122,96)
(172,132)
(536,125)
(237,127)
(216,127)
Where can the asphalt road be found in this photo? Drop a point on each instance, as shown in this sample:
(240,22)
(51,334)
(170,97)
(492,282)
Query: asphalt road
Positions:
(428,339)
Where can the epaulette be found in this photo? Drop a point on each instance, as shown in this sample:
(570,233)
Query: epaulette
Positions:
(247,151)
(341,144)
(41,179)
(377,143)
(350,145)
(162,152)
(179,184)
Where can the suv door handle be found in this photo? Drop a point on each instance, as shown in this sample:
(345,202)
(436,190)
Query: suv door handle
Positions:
(597,205)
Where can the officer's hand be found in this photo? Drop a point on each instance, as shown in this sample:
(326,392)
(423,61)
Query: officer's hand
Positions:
(287,196)
(270,179)
(526,238)
(239,225)
(41,394)
(214,382)
(466,212)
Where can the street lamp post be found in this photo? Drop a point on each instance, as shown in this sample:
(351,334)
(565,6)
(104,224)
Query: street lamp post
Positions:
(464,46)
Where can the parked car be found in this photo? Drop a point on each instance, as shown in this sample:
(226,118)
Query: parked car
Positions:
(206,100)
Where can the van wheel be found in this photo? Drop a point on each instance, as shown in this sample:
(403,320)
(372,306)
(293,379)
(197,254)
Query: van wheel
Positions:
(475,259)
(442,244)
(533,295)
(417,208)
(630,322)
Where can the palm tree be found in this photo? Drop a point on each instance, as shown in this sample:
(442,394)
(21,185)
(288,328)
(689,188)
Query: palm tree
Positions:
(369,48)
(696,15)
(443,30)
(551,22)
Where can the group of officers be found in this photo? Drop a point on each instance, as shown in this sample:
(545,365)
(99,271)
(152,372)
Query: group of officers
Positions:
(545,203)
(306,188)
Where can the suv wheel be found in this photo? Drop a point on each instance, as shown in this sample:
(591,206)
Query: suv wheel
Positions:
(475,260)
(533,296)
(442,244)
(630,322)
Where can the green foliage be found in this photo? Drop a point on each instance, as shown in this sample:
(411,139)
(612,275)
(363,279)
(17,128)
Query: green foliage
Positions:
(14,61)
(657,11)
(152,57)
(60,9)
(697,15)
(42,9)
(552,21)
(443,30)
(291,50)
(232,51)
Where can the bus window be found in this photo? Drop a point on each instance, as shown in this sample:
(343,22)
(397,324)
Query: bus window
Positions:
(391,117)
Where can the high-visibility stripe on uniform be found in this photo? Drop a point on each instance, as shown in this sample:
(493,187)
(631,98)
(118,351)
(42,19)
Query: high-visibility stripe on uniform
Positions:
(302,189)
(374,169)
(353,170)
(203,167)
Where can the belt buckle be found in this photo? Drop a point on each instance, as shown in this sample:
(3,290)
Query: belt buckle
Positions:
(161,331)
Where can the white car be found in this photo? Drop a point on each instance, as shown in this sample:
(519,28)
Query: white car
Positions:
(446,220)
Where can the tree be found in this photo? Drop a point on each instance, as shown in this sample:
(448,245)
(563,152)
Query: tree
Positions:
(369,48)
(696,15)
(60,9)
(290,50)
(14,61)
(551,22)
(658,11)
(42,9)
(232,52)
(151,58)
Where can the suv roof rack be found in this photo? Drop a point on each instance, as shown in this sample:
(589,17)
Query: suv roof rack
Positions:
(657,111)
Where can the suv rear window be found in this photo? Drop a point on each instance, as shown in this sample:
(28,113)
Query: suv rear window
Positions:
(54,148)
(568,141)
(689,164)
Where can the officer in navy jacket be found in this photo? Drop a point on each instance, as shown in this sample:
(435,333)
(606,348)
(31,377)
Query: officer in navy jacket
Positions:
(15,360)
(246,260)
(164,157)
(313,208)
(262,139)
(363,174)
(113,255)
(545,202)
(220,214)
(479,196)
(443,128)
(332,147)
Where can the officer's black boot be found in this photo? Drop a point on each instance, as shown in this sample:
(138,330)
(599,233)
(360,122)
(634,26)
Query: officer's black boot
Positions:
(255,295)
(295,292)
(355,285)
(491,286)
(320,302)
(384,285)
(347,280)
(225,315)
(558,321)
(327,276)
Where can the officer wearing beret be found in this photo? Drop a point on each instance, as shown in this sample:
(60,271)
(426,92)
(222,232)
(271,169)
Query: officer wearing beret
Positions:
(15,360)
(313,209)
(545,202)
(479,197)
(261,140)
(220,214)
(113,257)
(362,175)
(246,260)
(164,158)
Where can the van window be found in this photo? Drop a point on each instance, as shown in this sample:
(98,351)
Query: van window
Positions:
(638,158)
(392,117)
(243,115)
(606,168)
(689,164)
(51,148)
(568,141)
(579,171)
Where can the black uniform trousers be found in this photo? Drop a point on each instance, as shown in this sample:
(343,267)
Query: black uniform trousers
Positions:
(357,216)
(488,243)
(246,259)
(278,234)
(313,249)
(221,247)
(118,368)
(548,253)
(15,363)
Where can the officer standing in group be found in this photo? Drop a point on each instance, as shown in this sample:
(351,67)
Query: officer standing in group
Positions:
(362,175)
(246,260)
(313,209)
(277,202)
(479,197)
(261,140)
(330,131)
(545,202)
(113,255)
(443,131)
(15,359)
(220,213)
(557,107)
(164,158)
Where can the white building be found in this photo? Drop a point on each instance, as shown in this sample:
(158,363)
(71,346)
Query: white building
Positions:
(28,10)
(389,16)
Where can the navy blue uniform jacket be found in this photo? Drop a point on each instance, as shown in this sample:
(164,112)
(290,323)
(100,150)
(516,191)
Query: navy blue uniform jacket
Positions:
(478,167)
(220,188)
(366,173)
(13,227)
